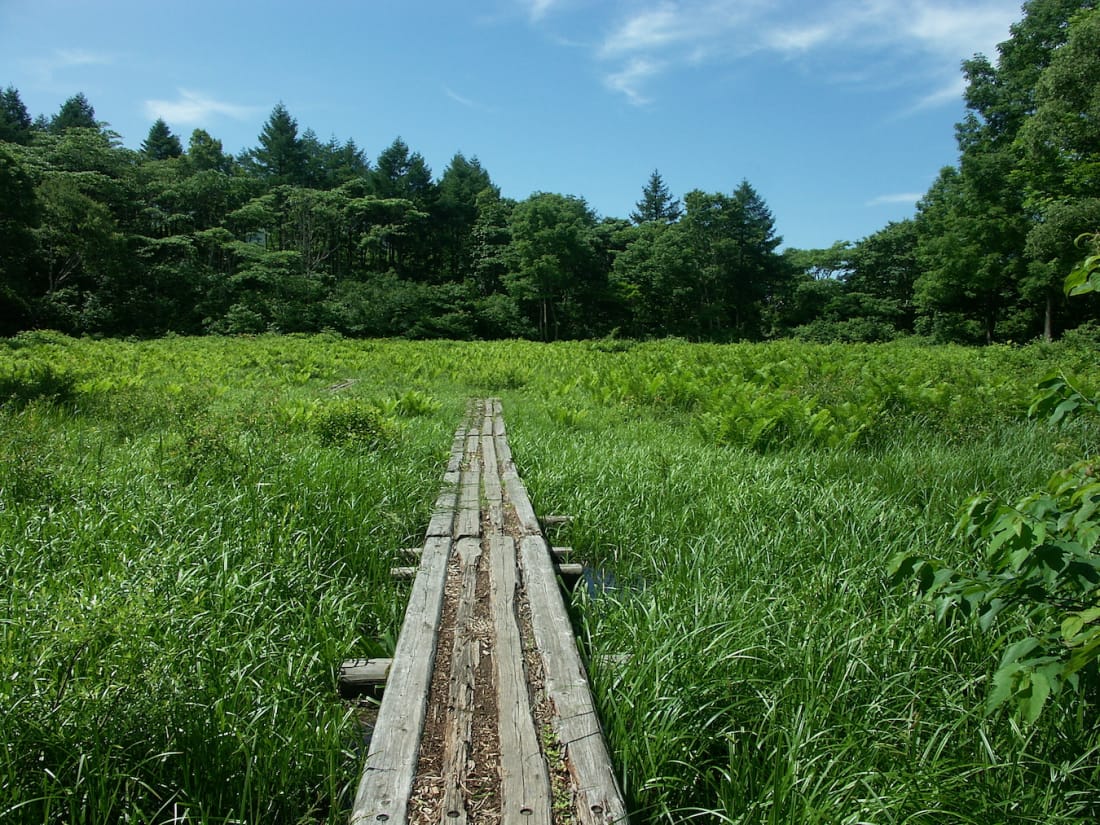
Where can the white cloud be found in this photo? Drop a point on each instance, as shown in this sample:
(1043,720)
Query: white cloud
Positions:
(631,79)
(44,69)
(192,108)
(70,58)
(799,39)
(951,92)
(651,29)
(960,30)
(931,36)
(899,198)
(462,100)
(538,9)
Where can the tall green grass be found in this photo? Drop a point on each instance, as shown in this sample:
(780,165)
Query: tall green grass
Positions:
(753,663)
(194,533)
(182,569)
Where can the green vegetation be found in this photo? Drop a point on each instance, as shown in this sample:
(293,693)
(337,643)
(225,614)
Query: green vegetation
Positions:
(297,234)
(195,532)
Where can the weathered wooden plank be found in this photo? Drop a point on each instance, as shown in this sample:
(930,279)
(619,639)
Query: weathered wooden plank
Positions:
(383,791)
(360,677)
(498,418)
(598,799)
(517,495)
(570,574)
(468,519)
(443,515)
(465,653)
(525,784)
(458,450)
(494,493)
(500,436)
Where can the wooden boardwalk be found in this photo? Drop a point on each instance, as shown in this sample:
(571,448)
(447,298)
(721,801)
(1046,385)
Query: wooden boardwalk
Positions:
(487,715)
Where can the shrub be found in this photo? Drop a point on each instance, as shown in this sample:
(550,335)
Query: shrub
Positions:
(352,422)
(26,381)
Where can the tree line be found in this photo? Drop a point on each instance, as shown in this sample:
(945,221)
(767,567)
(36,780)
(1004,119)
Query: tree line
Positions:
(297,234)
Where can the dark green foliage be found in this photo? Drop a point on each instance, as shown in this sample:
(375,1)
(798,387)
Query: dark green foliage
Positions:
(75,113)
(354,424)
(161,144)
(657,203)
(281,157)
(301,234)
(27,381)
(15,120)
(204,153)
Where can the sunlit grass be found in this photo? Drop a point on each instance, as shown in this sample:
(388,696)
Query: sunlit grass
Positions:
(754,665)
(189,546)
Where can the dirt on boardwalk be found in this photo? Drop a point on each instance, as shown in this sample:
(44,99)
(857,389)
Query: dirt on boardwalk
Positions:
(483,757)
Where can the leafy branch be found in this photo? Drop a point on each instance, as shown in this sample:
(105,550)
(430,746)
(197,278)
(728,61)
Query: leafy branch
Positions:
(1085,277)
(1039,563)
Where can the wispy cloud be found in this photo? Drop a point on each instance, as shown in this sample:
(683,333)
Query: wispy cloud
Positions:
(932,36)
(469,103)
(950,92)
(46,68)
(630,81)
(192,107)
(898,198)
(652,29)
(799,38)
(71,58)
(960,29)
(538,9)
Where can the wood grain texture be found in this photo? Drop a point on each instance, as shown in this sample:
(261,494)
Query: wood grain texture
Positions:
(383,791)
(363,677)
(525,782)
(465,654)
(597,795)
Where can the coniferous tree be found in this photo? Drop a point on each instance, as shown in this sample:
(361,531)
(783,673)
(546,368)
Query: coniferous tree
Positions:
(75,113)
(205,153)
(161,144)
(457,212)
(15,120)
(280,158)
(399,173)
(657,203)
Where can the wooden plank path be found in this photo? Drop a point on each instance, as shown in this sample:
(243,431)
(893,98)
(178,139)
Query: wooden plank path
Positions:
(486,677)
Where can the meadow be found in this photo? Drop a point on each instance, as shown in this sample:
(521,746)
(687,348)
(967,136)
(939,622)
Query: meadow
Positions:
(194,533)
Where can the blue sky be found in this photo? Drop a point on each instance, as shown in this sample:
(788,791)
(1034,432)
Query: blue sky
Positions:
(839,112)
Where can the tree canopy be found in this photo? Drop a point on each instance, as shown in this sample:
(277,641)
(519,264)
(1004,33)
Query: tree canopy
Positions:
(304,234)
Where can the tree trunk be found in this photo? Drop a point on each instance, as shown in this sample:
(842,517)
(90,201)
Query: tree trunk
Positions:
(1048,319)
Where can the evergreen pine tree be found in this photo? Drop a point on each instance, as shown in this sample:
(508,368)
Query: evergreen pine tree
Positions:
(75,113)
(161,144)
(15,120)
(281,156)
(657,204)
